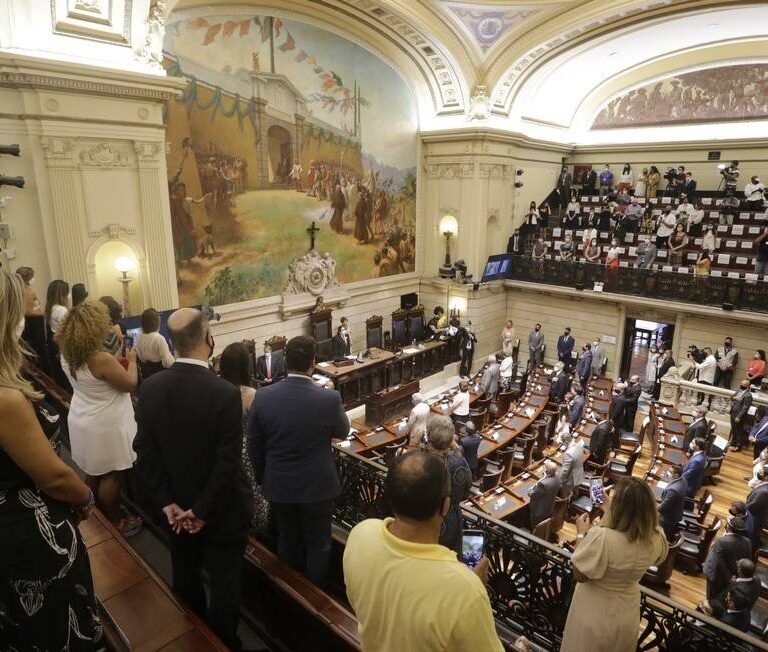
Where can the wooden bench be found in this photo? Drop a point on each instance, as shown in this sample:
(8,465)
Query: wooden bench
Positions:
(138,609)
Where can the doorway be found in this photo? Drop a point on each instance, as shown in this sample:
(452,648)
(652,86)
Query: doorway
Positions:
(280,160)
(639,336)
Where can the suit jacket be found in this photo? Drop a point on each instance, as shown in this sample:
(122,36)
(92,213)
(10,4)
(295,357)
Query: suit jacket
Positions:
(589,181)
(572,472)
(339,347)
(737,619)
(598,359)
(693,472)
(469,446)
(665,366)
(633,398)
(741,401)
(689,189)
(600,442)
(490,380)
(288,437)
(542,496)
(564,182)
(720,564)
(559,386)
(672,504)
(757,505)
(535,340)
(564,347)
(189,446)
(748,588)
(698,428)
(760,430)
(277,364)
(584,367)
(468,341)
(618,410)
(575,410)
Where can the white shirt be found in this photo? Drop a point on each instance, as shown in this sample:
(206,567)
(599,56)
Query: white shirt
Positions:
(708,242)
(695,216)
(199,363)
(460,406)
(506,367)
(57,315)
(753,191)
(588,235)
(706,370)
(666,225)
(685,208)
(152,347)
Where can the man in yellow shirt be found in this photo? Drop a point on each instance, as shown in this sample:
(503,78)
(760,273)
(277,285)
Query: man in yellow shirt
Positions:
(411,594)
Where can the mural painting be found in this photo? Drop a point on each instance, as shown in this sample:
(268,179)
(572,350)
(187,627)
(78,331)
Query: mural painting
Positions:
(283,127)
(737,92)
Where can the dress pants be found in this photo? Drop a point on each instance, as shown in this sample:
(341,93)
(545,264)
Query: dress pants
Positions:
(466,362)
(738,436)
(304,537)
(723,378)
(222,559)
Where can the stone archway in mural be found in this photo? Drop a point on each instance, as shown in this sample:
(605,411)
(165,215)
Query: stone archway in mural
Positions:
(279,155)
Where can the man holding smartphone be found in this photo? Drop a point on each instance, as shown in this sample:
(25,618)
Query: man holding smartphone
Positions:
(409,592)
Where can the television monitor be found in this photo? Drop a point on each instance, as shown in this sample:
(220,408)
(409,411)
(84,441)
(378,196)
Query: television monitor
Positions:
(498,266)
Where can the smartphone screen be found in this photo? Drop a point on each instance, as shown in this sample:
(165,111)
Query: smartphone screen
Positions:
(472,547)
(596,491)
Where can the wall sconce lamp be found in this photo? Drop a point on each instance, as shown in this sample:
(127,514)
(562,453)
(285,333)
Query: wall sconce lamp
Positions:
(449,227)
(124,264)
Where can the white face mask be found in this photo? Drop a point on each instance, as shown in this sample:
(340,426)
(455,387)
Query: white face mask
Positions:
(19,330)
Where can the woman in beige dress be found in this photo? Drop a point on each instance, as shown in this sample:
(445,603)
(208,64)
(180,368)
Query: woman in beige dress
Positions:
(508,338)
(609,560)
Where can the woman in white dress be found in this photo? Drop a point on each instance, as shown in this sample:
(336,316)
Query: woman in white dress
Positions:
(651,366)
(508,338)
(642,184)
(101,420)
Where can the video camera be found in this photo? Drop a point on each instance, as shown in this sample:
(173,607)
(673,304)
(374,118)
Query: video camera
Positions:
(670,174)
(696,354)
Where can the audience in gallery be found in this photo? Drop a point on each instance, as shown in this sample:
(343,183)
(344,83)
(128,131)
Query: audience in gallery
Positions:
(292,459)
(43,502)
(189,458)
(407,591)
(101,419)
(756,368)
(608,562)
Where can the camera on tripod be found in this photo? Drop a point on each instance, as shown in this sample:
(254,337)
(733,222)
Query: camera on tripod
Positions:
(670,175)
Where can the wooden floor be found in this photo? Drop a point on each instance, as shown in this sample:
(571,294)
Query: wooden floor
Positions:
(731,485)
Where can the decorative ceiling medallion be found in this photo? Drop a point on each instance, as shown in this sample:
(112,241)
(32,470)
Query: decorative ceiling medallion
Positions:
(487,27)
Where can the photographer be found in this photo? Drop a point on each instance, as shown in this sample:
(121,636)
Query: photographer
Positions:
(731,176)
(705,364)
(754,194)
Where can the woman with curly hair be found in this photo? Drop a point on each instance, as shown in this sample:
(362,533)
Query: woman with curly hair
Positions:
(46,591)
(101,421)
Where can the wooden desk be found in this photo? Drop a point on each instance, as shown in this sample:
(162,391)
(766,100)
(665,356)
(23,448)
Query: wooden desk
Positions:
(381,406)
(139,610)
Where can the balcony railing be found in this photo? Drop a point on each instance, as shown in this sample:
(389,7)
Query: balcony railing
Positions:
(741,293)
(530,582)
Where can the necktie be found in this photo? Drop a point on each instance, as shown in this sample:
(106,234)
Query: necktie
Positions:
(269,367)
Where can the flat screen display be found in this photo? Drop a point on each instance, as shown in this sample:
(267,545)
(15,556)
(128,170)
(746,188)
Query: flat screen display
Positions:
(498,267)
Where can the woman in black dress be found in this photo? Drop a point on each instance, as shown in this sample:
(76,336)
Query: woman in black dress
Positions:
(46,591)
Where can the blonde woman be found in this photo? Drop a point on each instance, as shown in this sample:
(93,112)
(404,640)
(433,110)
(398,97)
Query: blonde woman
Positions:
(101,420)
(46,590)
(508,338)
(609,560)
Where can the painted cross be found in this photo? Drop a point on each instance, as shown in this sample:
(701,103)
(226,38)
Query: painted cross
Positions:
(312,230)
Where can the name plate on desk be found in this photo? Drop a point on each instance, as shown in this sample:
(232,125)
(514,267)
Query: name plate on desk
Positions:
(410,350)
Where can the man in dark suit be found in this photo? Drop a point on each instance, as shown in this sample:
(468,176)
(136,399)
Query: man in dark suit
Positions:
(467,340)
(699,427)
(189,446)
(588,187)
(689,187)
(290,428)
(340,345)
(563,190)
(734,612)
(565,345)
(757,503)
(600,442)
(672,504)
(720,565)
(575,407)
(693,471)
(542,495)
(270,367)
(667,362)
(559,383)
(759,436)
(741,401)
(633,392)
(470,440)
(618,410)
(584,366)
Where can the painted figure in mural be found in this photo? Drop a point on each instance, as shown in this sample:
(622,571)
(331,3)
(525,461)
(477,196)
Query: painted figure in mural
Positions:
(182,226)
(338,203)
(362,217)
(296,172)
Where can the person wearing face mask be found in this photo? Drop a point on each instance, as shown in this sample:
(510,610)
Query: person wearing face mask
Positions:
(677,242)
(708,240)
(727,357)
(645,253)
(693,471)
(665,227)
(756,369)
(101,420)
(584,365)
(599,358)
(567,249)
(672,504)
(761,257)
(754,194)
(592,251)
(535,347)
(741,401)
(651,366)
(189,447)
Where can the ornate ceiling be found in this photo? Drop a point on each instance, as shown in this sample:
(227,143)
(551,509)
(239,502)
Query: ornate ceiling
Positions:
(447,48)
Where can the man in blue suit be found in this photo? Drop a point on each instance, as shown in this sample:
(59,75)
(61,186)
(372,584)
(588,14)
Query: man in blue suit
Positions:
(693,471)
(565,345)
(290,428)
(575,400)
(759,435)
(584,367)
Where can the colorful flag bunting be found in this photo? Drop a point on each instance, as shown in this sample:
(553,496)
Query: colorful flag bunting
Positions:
(197,23)
(245,28)
(301,56)
(229,27)
(278,25)
(289,43)
(210,33)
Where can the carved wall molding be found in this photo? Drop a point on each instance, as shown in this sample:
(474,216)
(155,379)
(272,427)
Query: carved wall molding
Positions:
(495,171)
(113,231)
(59,149)
(148,151)
(104,155)
(313,273)
(460,170)
(99,20)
